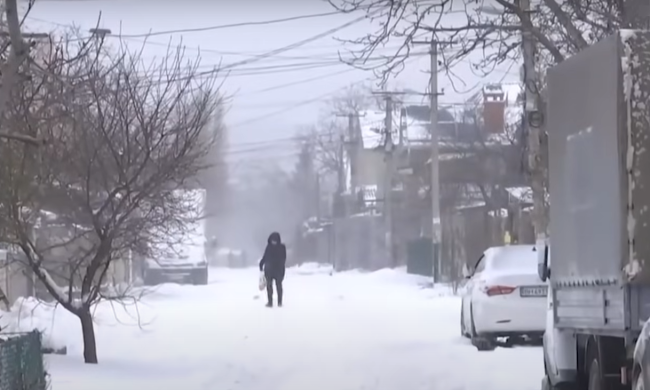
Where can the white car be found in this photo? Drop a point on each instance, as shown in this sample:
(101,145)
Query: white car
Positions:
(503,297)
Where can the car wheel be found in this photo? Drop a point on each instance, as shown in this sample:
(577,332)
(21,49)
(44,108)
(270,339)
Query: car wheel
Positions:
(463,331)
(482,342)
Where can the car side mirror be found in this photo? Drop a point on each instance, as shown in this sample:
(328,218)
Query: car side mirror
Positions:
(467,273)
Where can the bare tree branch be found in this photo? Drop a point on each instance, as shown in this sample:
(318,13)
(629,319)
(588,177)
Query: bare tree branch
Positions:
(126,144)
(492,28)
(18,53)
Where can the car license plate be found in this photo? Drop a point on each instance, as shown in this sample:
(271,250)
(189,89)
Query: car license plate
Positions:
(533,291)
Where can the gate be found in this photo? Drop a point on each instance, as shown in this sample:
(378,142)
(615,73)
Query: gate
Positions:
(419,259)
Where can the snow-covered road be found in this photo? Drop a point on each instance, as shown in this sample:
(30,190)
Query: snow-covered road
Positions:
(347,331)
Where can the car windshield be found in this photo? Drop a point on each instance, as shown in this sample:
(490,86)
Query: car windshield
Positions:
(519,258)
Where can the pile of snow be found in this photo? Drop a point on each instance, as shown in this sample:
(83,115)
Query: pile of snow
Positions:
(394,276)
(311,269)
(28,314)
(399,276)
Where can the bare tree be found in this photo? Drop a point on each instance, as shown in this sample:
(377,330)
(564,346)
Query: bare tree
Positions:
(331,135)
(351,99)
(14,54)
(493,28)
(305,178)
(124,140)
(326,140)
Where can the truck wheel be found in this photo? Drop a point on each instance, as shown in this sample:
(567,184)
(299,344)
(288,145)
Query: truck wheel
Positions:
(547,385)
(595,376)
(638,382)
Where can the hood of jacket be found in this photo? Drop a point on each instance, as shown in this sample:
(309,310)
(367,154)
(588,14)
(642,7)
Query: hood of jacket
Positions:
(275,236)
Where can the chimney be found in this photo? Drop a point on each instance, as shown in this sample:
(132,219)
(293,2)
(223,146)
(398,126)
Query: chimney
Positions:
(494,109)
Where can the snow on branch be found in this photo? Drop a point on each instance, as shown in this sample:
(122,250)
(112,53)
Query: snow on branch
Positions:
(122,135)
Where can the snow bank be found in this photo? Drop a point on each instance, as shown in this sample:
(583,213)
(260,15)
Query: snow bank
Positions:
(311,269)
(28,314)
(394,276)
(400,277)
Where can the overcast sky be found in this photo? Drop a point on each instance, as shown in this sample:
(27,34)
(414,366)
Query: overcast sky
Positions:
(270,100)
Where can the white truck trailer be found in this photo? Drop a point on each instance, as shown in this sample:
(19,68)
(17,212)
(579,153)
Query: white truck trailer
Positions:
(599,179)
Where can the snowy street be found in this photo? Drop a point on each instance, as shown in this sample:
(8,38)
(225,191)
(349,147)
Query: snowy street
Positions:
(348,331)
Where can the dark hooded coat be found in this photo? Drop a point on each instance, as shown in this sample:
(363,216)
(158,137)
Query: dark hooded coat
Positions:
(274,261)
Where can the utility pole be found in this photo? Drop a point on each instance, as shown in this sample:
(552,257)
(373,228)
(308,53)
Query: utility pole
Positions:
(436,231)
(351,139)
(388,178)
(534,122)
(317,197)
(389,172)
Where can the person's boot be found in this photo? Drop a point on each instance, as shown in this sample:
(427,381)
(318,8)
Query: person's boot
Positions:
(269,304)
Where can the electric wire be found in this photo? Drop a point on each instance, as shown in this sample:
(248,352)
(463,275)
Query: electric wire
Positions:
(198,49)
(286,48)
(232,66)
(227,26)
(297,105)
(272,69)
(275,69)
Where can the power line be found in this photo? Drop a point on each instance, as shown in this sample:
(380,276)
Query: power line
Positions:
(226,26)
(210,28)
(296,44)
(255,58)
(296,105)
(271,53)
(303,81)
(245,147)
(322,56)
(282,111)
(276,51)
(272,69)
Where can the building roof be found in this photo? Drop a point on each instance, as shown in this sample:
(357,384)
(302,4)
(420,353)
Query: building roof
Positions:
(371,125)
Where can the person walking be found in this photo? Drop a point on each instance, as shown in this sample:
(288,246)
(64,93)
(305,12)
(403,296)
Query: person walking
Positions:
(273,264)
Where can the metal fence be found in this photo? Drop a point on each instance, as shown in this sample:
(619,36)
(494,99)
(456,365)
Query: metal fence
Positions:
(21,363)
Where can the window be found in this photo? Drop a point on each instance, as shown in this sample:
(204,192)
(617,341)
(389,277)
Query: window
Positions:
(480,265)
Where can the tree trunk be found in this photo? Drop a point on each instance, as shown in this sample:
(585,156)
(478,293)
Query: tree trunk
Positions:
(88,331)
